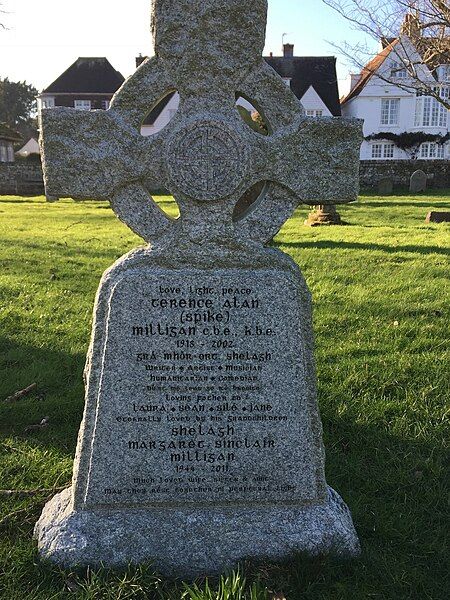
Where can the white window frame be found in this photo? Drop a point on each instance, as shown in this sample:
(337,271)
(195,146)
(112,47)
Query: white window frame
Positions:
(390,111)
(430,112)
(82,104)
(388,150)
(313,112)
(105,104)
(377,150)
(383,150)
(287,81)
(431,151)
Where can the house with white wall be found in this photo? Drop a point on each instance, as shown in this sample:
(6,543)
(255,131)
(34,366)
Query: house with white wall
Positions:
(401,121)
(313,80)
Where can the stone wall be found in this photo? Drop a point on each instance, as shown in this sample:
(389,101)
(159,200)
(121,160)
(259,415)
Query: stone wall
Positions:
(21,178)
(371,171)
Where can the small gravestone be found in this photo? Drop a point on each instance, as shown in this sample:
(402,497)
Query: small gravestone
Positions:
(435,216)
(385,186)
(418,182)
(201,441)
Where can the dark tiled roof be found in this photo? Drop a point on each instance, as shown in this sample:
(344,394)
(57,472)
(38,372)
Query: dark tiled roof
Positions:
(304,71)
(8,133)
(87,75)
(371,68)
(157,110)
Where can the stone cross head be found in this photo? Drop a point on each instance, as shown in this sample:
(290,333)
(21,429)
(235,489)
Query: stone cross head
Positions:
(207,157)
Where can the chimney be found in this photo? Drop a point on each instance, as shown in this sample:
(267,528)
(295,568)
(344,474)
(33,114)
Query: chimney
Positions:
(288,50)
(411,26)
(140,59)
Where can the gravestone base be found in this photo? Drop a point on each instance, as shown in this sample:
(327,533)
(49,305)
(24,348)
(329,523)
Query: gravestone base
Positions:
(190,542)
(324,214)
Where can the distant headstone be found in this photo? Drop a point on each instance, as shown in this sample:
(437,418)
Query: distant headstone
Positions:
(201,441)
(438,217)
(418,182)
(385,186)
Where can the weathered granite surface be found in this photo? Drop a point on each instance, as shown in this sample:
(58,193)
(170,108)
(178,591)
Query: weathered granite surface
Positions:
(201,441)
(190,542)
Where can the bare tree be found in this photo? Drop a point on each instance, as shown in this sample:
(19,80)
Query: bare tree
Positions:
(416,33)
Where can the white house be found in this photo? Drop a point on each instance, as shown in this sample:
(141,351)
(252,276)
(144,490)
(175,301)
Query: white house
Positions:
(312,79)
(416,125)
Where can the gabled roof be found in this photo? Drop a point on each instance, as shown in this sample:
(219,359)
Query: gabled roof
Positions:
(370,69)
(306,71)
(8,133)
(93,75)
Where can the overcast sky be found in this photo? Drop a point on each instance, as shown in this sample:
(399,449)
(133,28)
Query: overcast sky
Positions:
(45,37)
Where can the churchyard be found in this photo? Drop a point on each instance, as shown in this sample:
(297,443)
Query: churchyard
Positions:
(381,296)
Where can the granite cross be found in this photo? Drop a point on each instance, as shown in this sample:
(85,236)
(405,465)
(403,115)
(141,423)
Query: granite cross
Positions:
(201,440)
(210,52)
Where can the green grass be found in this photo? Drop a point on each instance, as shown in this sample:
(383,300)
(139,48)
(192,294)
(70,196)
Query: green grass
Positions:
(381,298)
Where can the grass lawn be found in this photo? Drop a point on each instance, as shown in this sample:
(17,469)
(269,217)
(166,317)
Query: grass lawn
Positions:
(381,296)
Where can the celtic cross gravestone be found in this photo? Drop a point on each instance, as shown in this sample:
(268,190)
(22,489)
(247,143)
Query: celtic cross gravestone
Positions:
(201,440)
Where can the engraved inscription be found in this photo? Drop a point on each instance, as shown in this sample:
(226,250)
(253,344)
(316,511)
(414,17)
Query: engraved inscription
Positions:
(207,161)
(203,395)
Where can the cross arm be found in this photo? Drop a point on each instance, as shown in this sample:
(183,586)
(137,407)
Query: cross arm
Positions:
(90,154)
(317,159)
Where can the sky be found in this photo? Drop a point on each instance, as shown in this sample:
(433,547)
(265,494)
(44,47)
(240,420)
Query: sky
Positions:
(43,39)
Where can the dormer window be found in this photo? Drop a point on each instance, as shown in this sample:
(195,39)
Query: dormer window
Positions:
(287,81)
(82,104)
(105,104)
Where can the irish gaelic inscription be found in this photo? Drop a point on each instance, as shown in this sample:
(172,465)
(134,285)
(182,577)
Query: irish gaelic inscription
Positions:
(188,405)
(207,161)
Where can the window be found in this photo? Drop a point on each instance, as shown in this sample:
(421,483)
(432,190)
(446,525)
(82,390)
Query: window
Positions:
(377,150)
(83,104)
(388,150)
(444,73)
(430,112)
(47,103)
(105,104)
(398,70)
(10,153)
(3,152)
(431,150)
(314,113)
(390,109)
(383,150)
(287,81)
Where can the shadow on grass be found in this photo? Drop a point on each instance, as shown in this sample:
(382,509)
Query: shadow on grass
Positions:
(328,244)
